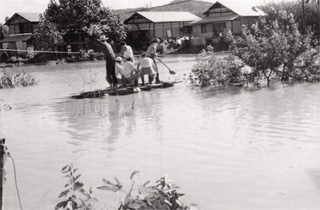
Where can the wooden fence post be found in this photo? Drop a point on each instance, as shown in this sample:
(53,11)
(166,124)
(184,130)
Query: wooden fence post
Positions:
(3,154)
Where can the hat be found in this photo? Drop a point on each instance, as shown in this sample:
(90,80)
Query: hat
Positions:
(118,59)
(103,38)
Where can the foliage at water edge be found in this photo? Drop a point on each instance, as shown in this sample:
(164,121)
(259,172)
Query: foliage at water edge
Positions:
(9,79)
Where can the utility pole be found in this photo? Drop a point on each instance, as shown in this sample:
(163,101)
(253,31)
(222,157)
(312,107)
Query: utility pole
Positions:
(3,155)
(304,17)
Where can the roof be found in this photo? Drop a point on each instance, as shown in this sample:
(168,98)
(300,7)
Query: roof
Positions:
(240,8)
(159,17)
(32,17)
(16,38)
(214,19)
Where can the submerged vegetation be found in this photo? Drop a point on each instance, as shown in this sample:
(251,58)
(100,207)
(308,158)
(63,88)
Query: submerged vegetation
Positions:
(162,195)
(269,50)
(11,80)
(4,106)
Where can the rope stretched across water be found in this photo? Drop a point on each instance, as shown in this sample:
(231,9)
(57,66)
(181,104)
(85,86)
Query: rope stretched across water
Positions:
(39,51)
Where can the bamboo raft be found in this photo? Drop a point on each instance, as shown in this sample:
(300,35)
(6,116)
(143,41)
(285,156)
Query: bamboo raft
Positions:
(122,90)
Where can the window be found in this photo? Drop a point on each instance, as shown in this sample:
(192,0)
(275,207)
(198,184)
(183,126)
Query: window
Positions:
(218,27)
(204,28)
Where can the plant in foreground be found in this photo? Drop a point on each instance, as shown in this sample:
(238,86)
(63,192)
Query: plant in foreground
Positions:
(163,195)
(75,197)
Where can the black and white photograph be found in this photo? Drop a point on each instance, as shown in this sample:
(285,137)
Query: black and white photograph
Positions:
(159,105)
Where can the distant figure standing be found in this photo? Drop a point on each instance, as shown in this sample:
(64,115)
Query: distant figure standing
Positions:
(152,53)
(126,51)
(110,62)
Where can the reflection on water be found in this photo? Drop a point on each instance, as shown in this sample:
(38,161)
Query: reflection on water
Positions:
(231,149)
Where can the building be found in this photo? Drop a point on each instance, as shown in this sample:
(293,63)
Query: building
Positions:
(220,18)
(21,27)
(144,26)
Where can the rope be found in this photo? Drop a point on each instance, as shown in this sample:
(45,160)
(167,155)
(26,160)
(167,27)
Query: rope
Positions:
(15,179)
(39,51)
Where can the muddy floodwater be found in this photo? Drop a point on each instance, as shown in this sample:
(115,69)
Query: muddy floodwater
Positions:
(227,150)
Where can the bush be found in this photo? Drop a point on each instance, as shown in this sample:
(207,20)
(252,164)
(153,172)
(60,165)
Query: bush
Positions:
(212,71)
(11,80)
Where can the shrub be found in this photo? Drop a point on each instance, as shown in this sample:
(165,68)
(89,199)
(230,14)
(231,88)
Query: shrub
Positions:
(271,48)
(11,80)
(162,195)
(212,71)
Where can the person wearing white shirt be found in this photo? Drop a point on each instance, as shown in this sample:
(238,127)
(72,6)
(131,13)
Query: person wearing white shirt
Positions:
(118,68)
(147,67)
(128,72)
(126,51)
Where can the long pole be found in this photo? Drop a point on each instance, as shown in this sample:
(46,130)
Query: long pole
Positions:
(303,18)
(3,152)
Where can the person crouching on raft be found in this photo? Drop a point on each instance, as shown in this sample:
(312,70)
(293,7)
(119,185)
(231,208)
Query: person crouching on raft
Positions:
(128,73)
(152,53)
(147,67)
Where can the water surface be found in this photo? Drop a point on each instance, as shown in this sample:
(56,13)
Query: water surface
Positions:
(227,150)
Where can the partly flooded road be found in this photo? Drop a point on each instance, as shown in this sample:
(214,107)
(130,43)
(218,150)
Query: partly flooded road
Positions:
(234,150)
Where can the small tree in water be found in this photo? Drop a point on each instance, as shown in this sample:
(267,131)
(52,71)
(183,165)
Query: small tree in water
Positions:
(271,49)
(212,71)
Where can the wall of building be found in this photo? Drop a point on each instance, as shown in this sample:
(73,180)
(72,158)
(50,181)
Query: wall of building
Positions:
(196,31)
(248,21)
(236,27)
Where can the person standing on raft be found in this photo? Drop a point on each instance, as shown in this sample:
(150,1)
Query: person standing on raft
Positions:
(110,61)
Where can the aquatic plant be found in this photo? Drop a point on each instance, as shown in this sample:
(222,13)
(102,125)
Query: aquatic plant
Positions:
(11,80)
(162,195)
(212,71)
(271,48)
(4,106)
(75,197)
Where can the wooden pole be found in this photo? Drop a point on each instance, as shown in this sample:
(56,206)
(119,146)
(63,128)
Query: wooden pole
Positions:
(3,153)
(303,18)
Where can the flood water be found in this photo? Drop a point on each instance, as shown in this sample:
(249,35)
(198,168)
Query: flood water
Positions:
(227,150)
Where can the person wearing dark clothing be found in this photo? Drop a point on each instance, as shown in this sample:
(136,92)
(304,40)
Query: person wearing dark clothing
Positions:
(110,62)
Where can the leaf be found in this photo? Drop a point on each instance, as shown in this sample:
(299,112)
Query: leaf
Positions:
(77,177)
(77,185)
(108,182)
(62,204)
(133,174)
(74,170)
(118,183)
(65,167)
(64,193)
(113,189)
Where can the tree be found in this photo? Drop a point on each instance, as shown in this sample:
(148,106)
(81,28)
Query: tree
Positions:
(90,16)
(273,47)
(311,11)
(4,31)
(46,35)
